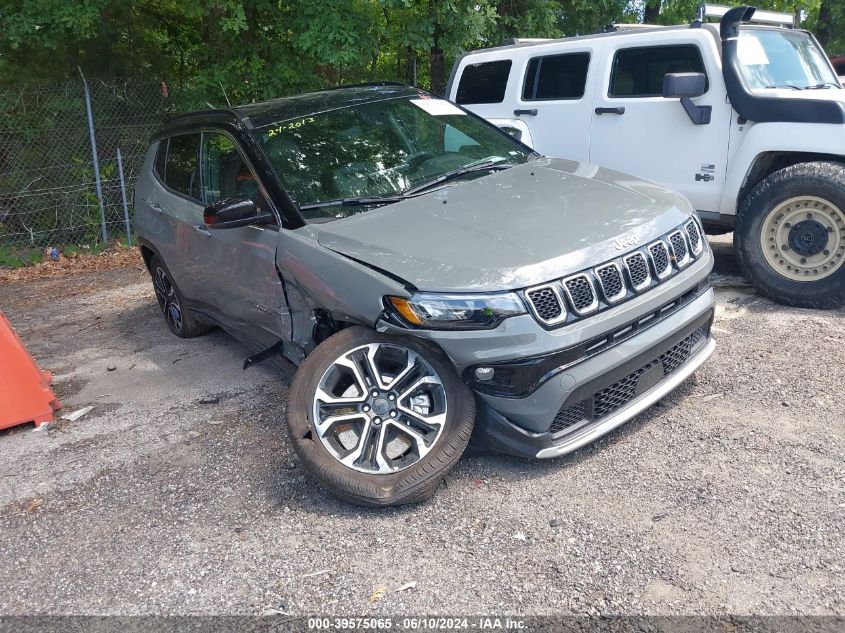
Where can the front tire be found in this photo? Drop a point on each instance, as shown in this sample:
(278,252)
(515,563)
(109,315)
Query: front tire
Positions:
(378,420)
(790,235)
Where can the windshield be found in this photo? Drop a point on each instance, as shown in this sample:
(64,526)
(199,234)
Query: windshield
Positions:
(380,149)
(778,58)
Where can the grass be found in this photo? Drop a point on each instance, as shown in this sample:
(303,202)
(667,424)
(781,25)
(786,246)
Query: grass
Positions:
(20,257)
(17,258)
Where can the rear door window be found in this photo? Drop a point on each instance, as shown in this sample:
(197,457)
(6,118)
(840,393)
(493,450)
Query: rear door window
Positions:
(638,72)
(556,77)
(181,172)
(484,83)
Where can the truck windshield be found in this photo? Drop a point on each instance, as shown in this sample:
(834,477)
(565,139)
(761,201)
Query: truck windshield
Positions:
(778,58)
(349,158)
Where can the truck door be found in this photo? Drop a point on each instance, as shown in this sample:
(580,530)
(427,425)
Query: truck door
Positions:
(637,131)
(553,101)
(540,94)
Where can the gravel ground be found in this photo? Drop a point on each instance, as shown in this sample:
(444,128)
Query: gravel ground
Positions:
(180,493)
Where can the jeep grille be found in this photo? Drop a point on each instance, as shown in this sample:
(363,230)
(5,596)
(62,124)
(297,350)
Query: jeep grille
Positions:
(584,293)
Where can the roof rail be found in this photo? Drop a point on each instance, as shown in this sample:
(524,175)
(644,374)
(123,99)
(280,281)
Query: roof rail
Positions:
(367,84)
(514,41)
(772,18)
(615,28)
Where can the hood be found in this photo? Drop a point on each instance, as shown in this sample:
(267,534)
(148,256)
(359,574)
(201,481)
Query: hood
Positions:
(824,94)
(511,229)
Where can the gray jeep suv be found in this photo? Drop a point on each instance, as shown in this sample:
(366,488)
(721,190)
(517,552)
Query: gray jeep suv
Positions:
(426,275)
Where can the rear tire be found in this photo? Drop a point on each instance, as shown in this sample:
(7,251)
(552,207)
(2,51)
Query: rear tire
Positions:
(790,235)
(179,319)
(348,448)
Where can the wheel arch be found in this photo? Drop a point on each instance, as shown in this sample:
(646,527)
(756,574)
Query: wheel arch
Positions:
(767,163)
(148,251)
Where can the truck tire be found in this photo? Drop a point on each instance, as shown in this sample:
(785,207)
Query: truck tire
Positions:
(172,305)
(378,420)
(790,235)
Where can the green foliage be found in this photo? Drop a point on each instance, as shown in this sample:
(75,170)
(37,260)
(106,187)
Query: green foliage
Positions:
(16,258)
(243,50)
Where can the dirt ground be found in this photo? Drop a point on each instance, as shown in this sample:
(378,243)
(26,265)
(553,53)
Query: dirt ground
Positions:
(180,493)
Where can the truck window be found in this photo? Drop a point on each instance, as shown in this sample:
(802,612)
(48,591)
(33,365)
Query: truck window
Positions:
(638,72)
(484,82)
(556,77)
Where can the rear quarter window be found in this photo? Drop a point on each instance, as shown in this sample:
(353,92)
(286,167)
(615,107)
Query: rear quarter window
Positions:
(556,77)
(484,83)
(161,158)
(638,72)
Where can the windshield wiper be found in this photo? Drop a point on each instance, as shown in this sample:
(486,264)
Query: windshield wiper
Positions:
(458,173)
(824,84)
(362,201)
(793,86)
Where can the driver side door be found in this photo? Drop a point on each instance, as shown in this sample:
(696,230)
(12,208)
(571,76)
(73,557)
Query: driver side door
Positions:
(239,264)
(637,131)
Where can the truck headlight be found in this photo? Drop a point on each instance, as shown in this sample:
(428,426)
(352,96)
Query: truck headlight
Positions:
(456,312)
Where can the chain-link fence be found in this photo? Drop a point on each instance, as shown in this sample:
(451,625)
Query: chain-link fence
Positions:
(49,191)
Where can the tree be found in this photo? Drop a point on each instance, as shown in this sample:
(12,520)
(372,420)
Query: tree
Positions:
(241,50)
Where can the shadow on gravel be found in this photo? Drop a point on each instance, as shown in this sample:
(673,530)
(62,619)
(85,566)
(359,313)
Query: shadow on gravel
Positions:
(726,263)
(477,462)
(517,468)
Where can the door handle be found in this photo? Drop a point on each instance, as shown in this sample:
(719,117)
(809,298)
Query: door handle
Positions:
(155,206)
(532,112)
(619,110)
(199,228)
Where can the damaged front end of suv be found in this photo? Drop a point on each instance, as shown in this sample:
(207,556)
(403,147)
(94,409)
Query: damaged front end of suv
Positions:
(440,281)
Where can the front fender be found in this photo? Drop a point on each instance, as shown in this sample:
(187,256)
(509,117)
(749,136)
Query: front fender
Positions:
(316,277)
(760,138)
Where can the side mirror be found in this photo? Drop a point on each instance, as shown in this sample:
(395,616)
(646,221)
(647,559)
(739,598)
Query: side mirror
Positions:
(679,85)
(686,86)
(233,212)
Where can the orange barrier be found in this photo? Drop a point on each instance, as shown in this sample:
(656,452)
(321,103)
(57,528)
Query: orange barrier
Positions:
(25,394)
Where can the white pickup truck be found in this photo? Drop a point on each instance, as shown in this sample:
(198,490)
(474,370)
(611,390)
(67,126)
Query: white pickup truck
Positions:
(746,118)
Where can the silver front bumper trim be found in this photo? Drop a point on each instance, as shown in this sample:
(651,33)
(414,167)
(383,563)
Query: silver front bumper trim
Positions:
(592,433)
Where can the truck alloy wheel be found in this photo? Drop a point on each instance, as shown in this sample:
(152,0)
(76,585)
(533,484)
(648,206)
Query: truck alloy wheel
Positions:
(377,419)
(803,238)
(790,235)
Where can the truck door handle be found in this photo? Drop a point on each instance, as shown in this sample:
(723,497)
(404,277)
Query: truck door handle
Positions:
(619,110)
(532,112)
(199,228)
(155,206)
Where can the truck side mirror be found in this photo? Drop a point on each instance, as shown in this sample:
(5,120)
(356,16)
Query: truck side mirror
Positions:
(679,85)
(686,86)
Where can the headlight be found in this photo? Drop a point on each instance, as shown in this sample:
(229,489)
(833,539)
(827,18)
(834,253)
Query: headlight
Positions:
(456,312)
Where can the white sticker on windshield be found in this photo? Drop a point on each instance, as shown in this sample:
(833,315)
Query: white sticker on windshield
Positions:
(750,52)
(437,107)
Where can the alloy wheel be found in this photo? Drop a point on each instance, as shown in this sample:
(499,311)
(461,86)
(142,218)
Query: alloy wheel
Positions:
(803,238)
(379,408)
(168,301)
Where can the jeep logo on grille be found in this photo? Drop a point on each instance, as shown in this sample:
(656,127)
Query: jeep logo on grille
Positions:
(627,241)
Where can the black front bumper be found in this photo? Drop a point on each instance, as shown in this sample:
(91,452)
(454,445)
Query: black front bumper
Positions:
(608,396)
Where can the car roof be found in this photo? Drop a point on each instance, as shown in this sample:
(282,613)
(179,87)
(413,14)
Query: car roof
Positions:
(256,115)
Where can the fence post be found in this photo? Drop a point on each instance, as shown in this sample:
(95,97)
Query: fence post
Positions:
(93,138)
(123,197)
